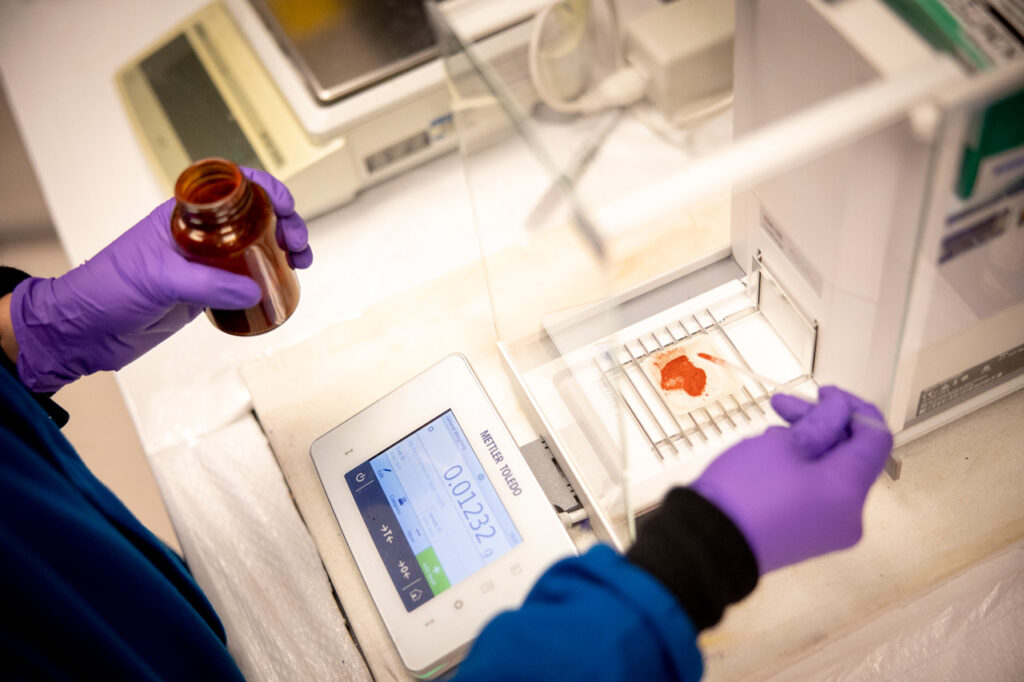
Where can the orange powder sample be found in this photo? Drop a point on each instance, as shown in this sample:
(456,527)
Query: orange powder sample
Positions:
(681,374)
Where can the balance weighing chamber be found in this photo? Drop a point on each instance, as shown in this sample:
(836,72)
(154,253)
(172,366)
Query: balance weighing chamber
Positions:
(330,97)
(864,201)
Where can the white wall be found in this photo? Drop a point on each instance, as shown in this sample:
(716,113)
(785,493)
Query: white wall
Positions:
(23,212)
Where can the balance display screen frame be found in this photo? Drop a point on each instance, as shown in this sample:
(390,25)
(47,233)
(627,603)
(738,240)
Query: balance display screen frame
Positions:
(438,631)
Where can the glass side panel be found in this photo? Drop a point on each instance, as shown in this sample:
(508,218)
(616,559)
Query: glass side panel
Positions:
(542,259)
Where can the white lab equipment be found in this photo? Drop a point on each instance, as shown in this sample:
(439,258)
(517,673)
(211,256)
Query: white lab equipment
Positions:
(328,97)
(442,514)
(866,193)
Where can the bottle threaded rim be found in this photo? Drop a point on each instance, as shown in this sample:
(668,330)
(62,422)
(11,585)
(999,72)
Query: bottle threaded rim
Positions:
(211,187)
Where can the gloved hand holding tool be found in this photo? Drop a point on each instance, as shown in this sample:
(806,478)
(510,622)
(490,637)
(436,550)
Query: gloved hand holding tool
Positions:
(798,492)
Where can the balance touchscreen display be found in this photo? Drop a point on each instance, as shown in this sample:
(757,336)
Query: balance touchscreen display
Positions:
(432,512)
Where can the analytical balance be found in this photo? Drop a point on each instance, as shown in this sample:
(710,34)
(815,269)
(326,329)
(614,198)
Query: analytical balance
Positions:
(872,189)
(330,97)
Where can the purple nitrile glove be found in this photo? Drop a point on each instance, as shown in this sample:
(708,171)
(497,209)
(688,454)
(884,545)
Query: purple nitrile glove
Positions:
(131,296)
(796,492)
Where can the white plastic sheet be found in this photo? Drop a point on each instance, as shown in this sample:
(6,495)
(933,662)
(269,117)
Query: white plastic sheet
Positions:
(969,628)
(251,553)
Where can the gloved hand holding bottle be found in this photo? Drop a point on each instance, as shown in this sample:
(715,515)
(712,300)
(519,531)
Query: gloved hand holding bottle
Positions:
(132,295)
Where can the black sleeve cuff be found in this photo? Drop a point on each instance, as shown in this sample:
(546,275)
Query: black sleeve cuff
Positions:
(698,553)
(10,278)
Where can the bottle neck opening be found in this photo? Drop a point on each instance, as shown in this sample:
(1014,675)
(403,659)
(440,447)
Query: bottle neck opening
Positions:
(212,191)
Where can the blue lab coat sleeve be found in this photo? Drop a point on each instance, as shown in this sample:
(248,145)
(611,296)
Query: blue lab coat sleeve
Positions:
(604,616)
(87,591)
(594,617)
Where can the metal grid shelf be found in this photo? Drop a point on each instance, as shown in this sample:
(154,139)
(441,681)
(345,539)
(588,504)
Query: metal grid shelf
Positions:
(668,432)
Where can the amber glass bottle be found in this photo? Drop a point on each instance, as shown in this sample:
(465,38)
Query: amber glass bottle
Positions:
(224,220)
